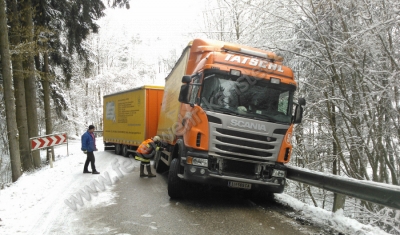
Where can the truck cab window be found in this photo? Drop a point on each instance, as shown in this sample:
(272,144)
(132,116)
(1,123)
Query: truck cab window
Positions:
(283,104)
(194,89)
(260,100)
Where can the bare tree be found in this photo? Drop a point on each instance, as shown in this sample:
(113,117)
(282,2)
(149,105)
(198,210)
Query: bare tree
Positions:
(345,55)
(234,21)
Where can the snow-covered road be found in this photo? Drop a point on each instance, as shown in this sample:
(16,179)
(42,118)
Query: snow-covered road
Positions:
(35,204)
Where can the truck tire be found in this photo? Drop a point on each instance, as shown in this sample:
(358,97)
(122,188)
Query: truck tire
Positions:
(125,151)
(118,149)
(175,184)
(159,165)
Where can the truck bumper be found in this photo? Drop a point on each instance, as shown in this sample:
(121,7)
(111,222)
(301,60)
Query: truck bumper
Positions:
(205,176)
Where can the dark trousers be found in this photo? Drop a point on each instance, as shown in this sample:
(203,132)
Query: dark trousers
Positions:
(89,158)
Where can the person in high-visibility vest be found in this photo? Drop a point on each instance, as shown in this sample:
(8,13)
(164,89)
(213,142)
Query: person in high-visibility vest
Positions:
(146,150)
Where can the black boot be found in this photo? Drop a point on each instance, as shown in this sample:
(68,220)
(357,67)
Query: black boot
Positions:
(149,171)
(142,174)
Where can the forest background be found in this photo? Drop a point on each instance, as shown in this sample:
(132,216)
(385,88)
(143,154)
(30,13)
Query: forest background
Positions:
(59,57)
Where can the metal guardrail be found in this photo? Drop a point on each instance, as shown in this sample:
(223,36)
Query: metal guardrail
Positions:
(383,194)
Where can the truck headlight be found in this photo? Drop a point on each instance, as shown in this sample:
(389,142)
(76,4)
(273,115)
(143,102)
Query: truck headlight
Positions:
(278,173)
(197,161)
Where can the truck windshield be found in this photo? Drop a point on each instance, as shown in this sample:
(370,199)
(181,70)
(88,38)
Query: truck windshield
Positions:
(248,97)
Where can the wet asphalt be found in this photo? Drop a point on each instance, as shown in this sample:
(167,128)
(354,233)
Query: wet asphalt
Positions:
(142,206)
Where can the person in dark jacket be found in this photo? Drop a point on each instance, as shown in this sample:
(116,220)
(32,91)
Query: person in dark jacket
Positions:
(146,150)
(88,147)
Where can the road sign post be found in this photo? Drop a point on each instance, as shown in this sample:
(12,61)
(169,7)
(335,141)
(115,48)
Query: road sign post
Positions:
(47,141)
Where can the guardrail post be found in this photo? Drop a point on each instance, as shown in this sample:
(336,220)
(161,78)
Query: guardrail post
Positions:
(338,201)
(50,157)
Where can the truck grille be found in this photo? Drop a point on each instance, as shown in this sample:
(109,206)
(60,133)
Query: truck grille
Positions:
(242,145)
(235,144)
(245,135)
(242,150)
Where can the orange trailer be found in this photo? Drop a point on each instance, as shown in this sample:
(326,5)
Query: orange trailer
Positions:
(130,117)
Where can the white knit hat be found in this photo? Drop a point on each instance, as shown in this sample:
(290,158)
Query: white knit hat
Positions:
(156,138)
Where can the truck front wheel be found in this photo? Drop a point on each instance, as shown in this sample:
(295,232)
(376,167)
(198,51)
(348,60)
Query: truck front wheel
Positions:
(175,184)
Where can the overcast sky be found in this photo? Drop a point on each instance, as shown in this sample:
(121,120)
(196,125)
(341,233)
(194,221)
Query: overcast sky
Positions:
(163,26)
(170,21)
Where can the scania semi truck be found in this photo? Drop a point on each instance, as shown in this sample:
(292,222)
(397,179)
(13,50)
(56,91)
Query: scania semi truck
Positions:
(227,118)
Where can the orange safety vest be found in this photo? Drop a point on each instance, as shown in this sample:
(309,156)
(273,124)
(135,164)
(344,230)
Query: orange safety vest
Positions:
(144,147)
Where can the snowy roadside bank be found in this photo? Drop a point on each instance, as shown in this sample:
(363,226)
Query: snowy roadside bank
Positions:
(35,203)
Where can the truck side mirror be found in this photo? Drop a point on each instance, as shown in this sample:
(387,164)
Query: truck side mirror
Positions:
(186,79)
(298,113)
(184,93)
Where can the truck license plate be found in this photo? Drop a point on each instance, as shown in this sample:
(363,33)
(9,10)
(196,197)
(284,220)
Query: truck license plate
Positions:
(234,184)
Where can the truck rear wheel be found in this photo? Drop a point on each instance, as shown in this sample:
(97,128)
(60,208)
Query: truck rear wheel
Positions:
(175,184)
(159,165)
(118,149)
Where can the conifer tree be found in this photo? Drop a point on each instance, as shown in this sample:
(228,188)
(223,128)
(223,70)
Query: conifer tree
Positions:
(19,86)
(12,130)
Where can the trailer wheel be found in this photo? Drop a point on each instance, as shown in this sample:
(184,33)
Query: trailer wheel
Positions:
(159,165)
(118,149)
(175,184)
(125,152)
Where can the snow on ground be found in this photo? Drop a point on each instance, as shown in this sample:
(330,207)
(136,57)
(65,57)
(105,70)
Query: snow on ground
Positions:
(35,204)
(326,218)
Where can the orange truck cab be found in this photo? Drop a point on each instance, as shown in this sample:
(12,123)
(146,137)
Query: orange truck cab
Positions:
(227,118)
